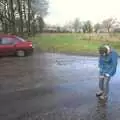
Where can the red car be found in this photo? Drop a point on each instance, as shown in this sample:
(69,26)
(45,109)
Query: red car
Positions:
(14,45)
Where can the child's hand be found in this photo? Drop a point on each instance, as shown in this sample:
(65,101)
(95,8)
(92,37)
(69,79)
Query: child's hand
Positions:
(101,76)
(107,75)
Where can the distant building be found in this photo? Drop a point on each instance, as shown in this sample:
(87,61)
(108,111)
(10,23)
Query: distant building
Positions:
(117,30)
(56,28)
(102,30)
(50,29)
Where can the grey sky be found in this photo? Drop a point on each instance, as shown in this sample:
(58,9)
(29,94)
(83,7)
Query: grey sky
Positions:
(63,11)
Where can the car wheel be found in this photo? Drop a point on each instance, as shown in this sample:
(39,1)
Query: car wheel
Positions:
(20,53)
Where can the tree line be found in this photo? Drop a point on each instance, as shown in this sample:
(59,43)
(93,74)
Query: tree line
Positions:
(27,17)
(107,25)
(23,16)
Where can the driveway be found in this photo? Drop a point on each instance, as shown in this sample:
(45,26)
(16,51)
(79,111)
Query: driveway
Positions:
(49,86)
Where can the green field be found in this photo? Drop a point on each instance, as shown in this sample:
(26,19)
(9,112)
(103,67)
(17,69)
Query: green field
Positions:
(75,43)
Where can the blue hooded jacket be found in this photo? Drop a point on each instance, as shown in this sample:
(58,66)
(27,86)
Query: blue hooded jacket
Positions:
(108,64)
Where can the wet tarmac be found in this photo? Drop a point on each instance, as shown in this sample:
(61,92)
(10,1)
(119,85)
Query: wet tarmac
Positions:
(49,86)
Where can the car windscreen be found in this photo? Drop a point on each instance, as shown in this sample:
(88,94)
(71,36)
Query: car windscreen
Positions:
(21,39)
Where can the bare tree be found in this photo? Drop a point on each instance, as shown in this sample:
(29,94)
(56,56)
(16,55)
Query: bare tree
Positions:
(40,23)
(12,16)
(17,15)
(24,13)
(40,7)
(109,24)
(87,27)
(97,27)
(77,25)
(29,16)
(4,16)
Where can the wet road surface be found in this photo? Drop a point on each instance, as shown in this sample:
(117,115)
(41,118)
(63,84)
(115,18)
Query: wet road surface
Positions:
(55,87)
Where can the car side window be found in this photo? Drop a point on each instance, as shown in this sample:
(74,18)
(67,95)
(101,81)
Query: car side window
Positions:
(6,41)
(0,41)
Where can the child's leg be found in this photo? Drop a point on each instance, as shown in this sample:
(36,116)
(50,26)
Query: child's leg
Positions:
(101,83)
(101,86)
(106,86)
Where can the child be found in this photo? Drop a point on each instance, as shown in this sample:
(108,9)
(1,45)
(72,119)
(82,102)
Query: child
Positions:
(107,68)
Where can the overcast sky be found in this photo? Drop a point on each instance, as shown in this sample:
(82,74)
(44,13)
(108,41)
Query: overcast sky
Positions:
(62,11)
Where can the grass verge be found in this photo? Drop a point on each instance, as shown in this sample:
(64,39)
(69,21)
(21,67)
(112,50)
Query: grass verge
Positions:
(72,43)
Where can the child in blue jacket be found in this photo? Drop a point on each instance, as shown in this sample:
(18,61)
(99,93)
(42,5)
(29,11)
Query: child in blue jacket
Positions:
(107,68)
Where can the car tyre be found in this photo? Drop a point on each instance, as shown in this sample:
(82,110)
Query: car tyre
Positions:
(20,53)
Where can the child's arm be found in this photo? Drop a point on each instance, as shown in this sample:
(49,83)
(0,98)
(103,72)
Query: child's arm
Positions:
(114,64)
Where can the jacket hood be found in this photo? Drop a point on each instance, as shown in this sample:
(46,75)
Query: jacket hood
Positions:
(108,48)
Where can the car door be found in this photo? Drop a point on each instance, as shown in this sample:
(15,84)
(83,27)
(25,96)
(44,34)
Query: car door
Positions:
(7,46)
(1,47)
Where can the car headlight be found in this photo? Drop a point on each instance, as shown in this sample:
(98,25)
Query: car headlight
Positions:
(30,45)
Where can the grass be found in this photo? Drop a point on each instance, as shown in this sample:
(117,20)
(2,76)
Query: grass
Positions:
(74,43)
